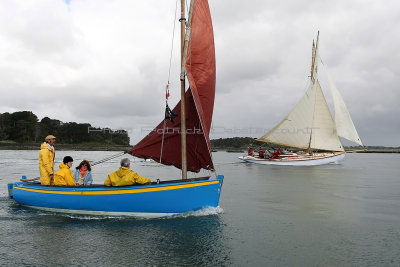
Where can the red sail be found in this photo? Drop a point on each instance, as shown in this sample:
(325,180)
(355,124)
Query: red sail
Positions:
(200,68)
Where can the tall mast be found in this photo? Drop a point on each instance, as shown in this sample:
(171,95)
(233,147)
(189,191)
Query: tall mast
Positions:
(309,149)
(313,65)
(312,59)
(183,104)
(314,55)
(185,37)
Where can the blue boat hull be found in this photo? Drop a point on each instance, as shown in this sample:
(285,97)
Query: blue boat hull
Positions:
(147,200)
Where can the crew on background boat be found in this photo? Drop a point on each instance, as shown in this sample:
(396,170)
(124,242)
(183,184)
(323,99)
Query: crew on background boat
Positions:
(64,175)
(83,174)
(277,153)
(261,153)
(46,160)
(125,176)
(250,151)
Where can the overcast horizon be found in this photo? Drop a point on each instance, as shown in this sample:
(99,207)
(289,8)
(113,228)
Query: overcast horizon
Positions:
(107,62)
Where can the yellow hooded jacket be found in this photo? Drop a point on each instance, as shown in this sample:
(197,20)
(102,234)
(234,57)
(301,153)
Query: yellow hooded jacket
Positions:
(46,163)
(125,176)
(64,176)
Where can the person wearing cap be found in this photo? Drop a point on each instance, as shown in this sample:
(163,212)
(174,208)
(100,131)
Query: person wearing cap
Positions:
(64,175)
(125,176)
(46,160)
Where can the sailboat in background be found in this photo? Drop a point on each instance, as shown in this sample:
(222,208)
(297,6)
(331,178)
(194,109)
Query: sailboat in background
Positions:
(183,143)
(310,126)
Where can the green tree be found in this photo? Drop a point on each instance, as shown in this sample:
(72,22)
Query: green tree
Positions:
(5,125)
(73,133)
(48,126)
(23,126)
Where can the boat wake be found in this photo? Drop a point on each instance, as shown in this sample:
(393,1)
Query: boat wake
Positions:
(198,213)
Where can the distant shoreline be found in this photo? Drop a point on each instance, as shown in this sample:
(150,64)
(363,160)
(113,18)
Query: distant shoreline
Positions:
(372,150)
(241,144)
(388,150)
(60,147)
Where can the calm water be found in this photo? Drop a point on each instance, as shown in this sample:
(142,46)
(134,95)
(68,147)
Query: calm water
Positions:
(332,215)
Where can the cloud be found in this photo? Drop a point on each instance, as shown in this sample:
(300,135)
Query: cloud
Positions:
(107,62)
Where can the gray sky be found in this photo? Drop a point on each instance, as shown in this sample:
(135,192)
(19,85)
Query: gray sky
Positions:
(107,62)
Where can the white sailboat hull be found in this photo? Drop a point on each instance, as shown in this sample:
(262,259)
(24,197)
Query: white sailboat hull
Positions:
(298,159)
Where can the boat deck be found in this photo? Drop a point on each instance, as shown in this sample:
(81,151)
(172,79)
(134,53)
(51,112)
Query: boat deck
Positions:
(103,186)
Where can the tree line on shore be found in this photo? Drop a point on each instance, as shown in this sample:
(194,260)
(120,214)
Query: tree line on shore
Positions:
(241,143)
(237,143)
(25,127)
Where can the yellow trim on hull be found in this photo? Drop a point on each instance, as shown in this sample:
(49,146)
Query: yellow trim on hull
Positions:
(117,192)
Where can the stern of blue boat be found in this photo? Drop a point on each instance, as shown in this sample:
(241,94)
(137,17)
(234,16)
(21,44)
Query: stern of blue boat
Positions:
(10,190)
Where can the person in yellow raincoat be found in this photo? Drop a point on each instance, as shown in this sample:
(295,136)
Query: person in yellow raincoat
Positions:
(125,176)
(64,175)
(46,160)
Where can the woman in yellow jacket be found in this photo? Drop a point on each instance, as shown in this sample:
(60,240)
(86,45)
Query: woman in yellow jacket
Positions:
(64,175)
(125,176)
(46,160)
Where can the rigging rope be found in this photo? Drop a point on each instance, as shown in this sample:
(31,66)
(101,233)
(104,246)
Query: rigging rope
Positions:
(172,42)
(167,86)
(109,158)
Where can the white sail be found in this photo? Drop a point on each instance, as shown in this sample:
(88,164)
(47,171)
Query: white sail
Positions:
(324,135)
(310,123)
(295,129)
(311,116)
(344,124)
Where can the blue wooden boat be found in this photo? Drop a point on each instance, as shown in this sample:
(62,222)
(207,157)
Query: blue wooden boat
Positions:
(183,143)
(150,200)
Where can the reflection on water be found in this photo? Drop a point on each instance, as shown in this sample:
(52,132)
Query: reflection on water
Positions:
(43,237)
(335,215)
